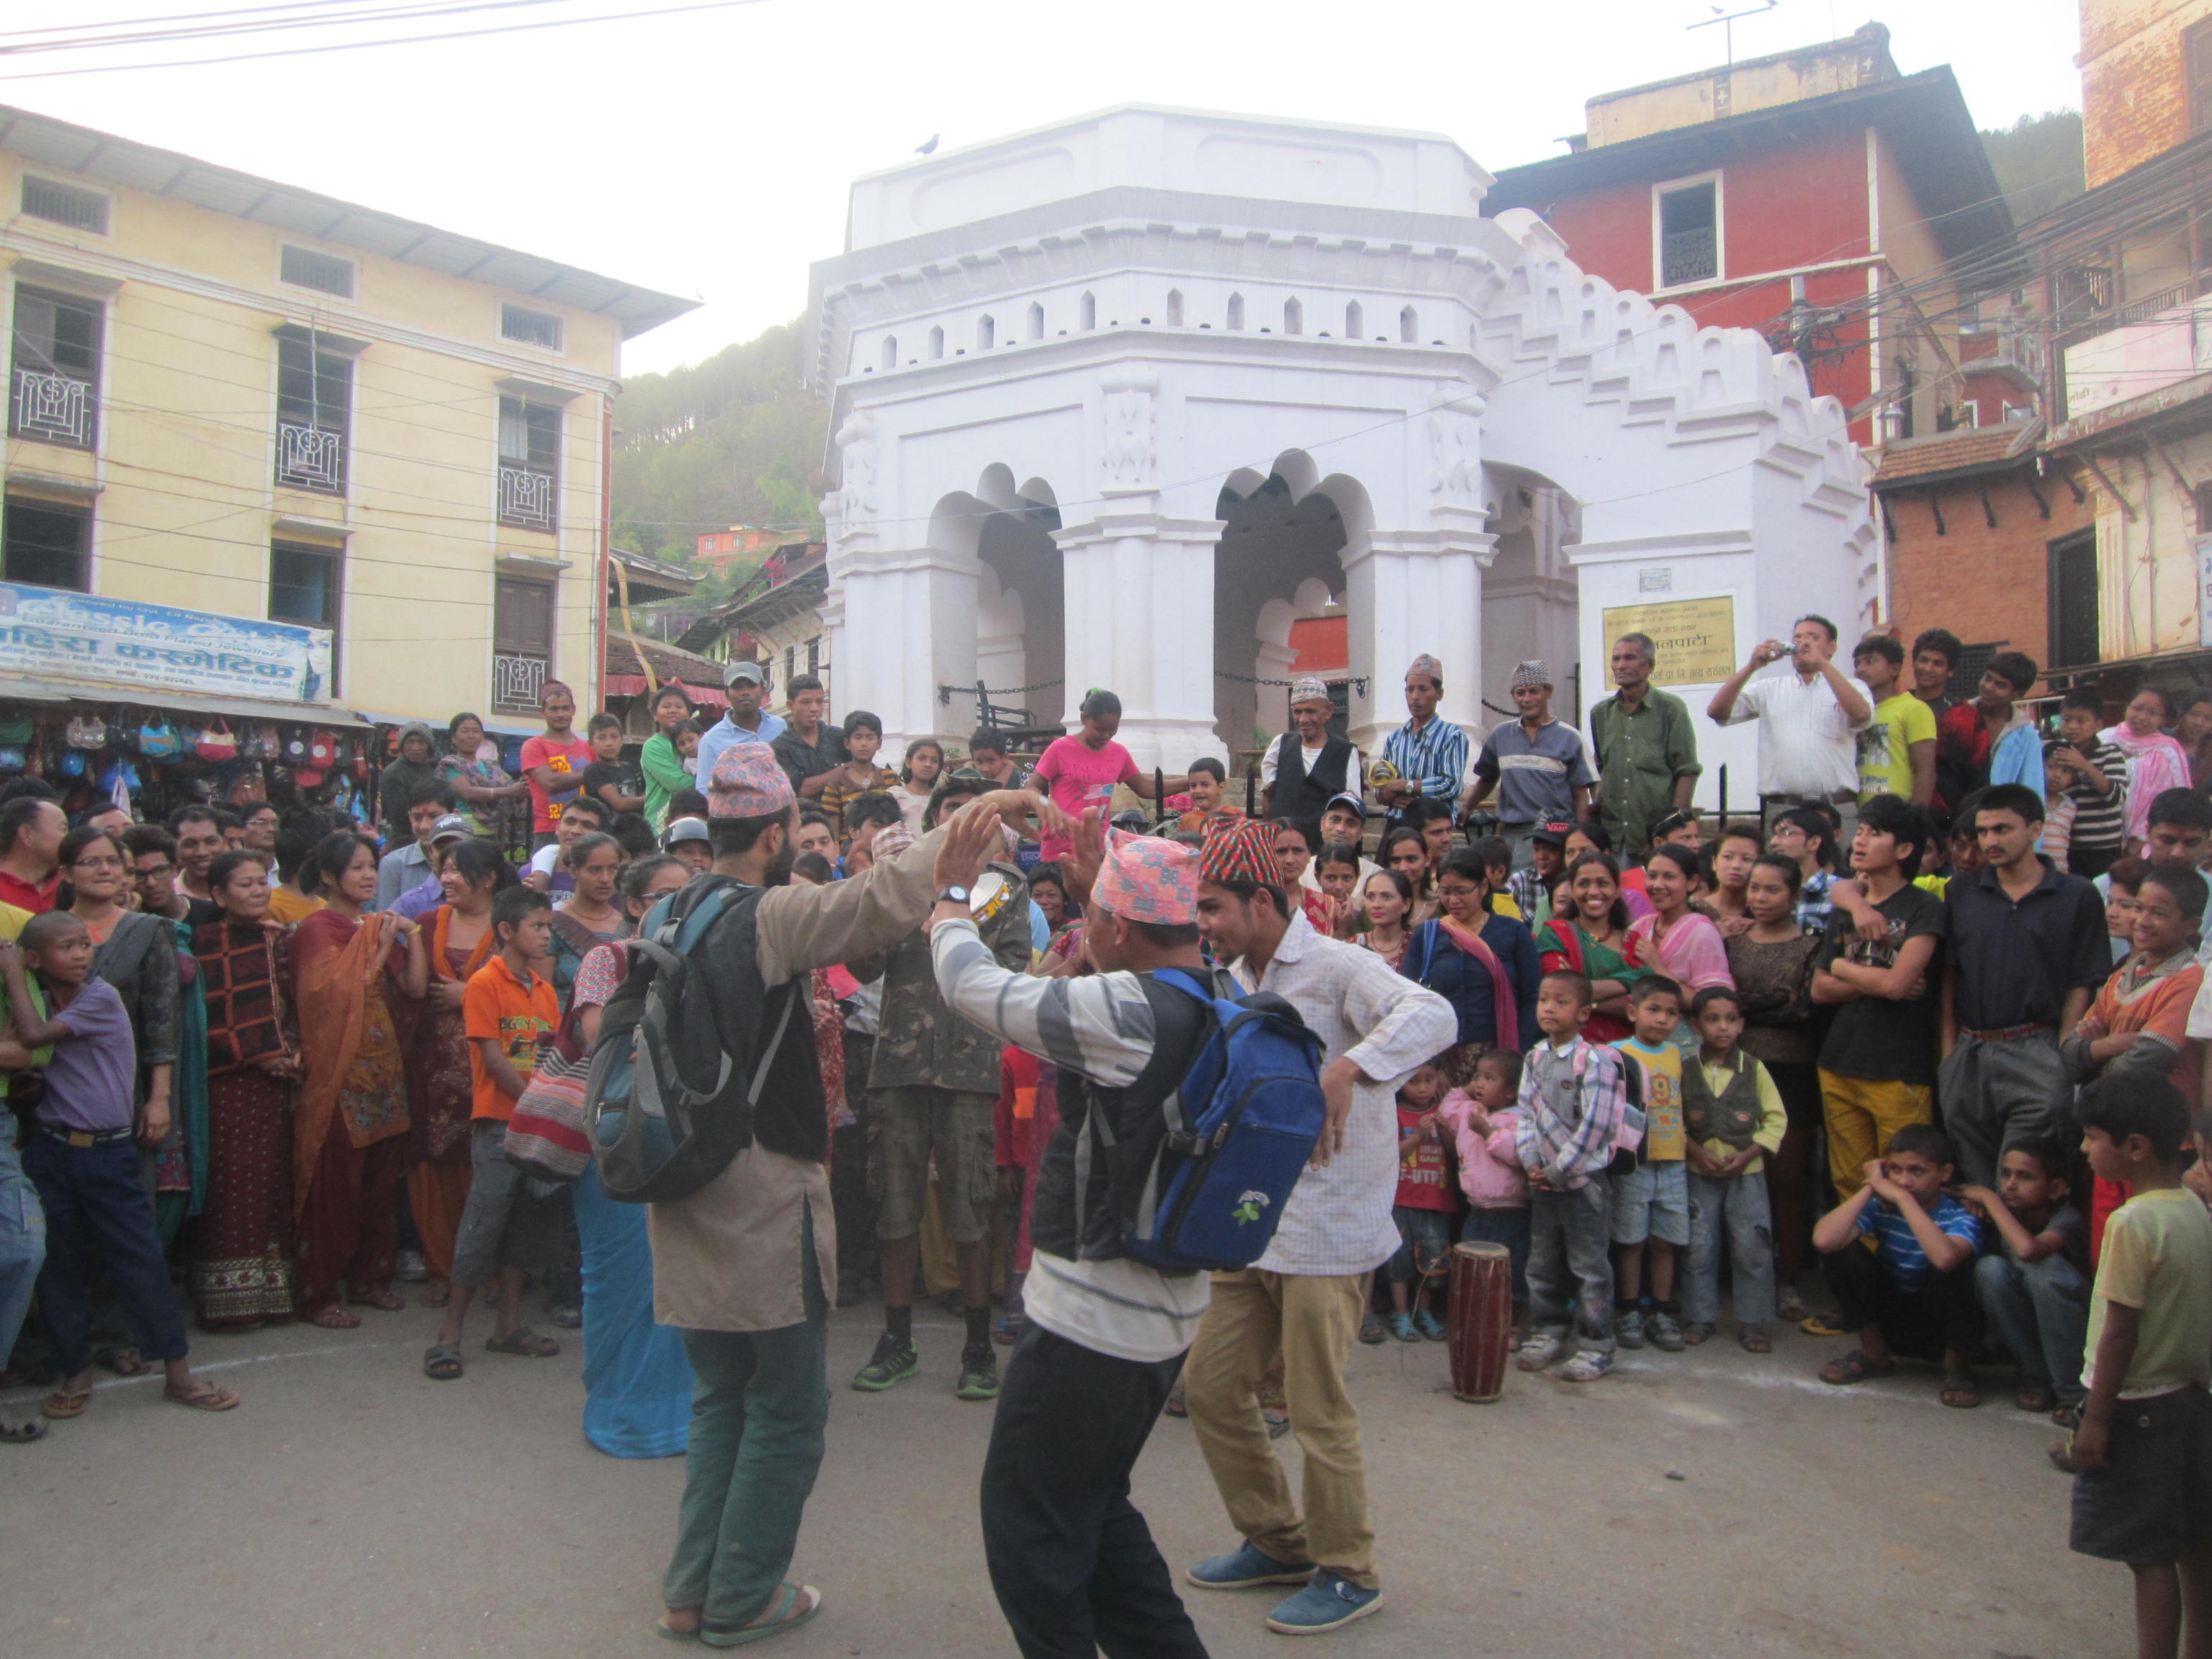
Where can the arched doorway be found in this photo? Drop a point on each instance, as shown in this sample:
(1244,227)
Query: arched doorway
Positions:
(1530,596)
(1278,564)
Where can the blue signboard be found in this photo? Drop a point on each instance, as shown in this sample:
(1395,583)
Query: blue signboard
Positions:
(49,633)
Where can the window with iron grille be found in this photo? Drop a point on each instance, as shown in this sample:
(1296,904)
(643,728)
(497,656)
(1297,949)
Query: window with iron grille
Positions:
(535,328)
(65,204)
(521,642)
(314,395)
(1689,230)
(1965,681)
(53,390)
(2196,59)
(325,273)
(2073,600)
(529,462)
(48,544)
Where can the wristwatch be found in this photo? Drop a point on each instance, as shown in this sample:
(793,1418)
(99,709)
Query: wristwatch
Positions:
(952,895)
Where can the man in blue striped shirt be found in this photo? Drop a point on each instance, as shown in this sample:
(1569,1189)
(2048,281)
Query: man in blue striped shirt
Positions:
(1429,753)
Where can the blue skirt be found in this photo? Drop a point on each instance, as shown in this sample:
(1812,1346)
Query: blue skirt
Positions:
(637,1383)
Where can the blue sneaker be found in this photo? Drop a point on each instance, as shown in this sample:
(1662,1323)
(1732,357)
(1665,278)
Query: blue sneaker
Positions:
(1327,1603)
(1246,1568)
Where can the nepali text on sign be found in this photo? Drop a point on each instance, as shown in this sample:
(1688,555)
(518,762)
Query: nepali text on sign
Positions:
(1694,638)
(48,633)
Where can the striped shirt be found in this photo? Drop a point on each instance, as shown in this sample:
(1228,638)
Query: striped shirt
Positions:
(1571,1101)
(1898,1248)
(2099,821)
(1101,1027)
(1433,759)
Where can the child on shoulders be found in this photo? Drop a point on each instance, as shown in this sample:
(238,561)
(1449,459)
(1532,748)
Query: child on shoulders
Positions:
(1572,1099)
(1651,1202)
(1735,1121)
(1914,1293)
(1483,1119)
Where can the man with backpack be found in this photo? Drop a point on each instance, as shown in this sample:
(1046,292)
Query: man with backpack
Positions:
(1071,1560)
(1303,1298)
(743,1241)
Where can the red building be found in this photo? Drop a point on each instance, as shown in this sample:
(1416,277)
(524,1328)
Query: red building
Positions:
(1819,196)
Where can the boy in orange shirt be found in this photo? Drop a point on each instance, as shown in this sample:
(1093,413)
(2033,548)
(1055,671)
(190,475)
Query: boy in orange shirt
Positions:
(508,1008)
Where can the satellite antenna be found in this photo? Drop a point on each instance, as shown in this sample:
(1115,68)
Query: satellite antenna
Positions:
(1727,20)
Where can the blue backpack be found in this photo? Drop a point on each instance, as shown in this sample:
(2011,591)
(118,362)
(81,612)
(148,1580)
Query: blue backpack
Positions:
(1240,1129)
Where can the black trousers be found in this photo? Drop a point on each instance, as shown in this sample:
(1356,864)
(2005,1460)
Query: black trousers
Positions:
(1074,1564)
(1942,1314)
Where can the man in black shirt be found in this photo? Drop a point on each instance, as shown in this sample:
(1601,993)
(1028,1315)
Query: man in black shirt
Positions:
(1305,768)
(809,748)
(2028,950)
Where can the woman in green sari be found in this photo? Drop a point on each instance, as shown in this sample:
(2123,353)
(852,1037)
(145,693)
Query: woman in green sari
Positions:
(1592,938)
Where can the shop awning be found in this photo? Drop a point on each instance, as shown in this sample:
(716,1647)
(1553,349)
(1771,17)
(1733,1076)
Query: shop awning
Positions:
(180,702)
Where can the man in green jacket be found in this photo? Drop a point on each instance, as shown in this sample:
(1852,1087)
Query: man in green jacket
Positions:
(1647,750)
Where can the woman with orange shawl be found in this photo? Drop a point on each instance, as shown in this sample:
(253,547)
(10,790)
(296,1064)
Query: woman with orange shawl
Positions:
(439,1089)
(348,1141)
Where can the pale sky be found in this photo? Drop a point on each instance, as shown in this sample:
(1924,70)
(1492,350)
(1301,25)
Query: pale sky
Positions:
(709,154)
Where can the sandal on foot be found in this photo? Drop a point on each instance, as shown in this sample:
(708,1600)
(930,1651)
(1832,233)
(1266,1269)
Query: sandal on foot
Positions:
(335,1318)
(2034,1397)
(1961,1391)
(1695,1331)
(1821,1325)
(66,1403)
(794,1604)
(1790,1307)
(2068,1417)
(1755,1340)
(22,1434)
(124,1362)
(525,1341)
(202,1395)
(441,1362)
(382,1301)
(436,1297)
(1855,1367)
(668,1632)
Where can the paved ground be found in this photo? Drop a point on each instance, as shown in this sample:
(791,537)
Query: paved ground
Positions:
(351,1507)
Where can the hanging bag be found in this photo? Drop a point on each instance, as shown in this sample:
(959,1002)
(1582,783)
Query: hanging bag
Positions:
(158,739)
(548,1138)
(86,731)
(217,744)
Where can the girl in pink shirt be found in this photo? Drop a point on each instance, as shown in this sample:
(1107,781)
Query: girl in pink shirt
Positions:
(1082,770)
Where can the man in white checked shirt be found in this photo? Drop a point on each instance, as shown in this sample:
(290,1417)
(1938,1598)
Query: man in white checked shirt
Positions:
(1809,744)
(1302,1298)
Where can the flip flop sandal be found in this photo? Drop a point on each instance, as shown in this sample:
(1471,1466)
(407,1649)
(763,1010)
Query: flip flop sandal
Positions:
(22,1434)
(335,1318)
(63,1404)
(441,1362)
(436,1297)
(525,1341)
(1854,1367)
(1755,1341)
(2034,1398)
(794,1605)
(124,1362)
(1961,1391)
(203,1397)
(668,1632)
(382,1301)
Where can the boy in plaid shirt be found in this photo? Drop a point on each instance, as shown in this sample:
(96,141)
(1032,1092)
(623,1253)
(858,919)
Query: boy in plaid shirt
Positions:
(1573,1094)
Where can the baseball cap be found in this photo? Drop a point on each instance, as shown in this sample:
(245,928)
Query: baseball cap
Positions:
(452,827)
(685,829)
(1554,833)
(744,671)
(1349,801)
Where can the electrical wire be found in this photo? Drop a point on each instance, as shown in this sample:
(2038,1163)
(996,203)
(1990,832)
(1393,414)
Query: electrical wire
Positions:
(407,11)
(394,40)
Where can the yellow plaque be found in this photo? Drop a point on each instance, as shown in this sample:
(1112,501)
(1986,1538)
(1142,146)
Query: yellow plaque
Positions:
(1696,638)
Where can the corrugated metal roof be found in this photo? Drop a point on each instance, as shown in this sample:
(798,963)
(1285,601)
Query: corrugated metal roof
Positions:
(66,148)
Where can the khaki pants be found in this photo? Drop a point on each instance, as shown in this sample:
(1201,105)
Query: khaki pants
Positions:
(1312,1321)
(1861,1116)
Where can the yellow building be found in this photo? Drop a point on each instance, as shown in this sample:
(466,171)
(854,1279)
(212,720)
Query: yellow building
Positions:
(235,397)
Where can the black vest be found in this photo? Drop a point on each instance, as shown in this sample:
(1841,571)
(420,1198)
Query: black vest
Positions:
(1300,795)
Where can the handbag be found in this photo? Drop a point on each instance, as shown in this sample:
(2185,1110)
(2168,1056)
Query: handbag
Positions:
(158,739)
(86,731)
(217,743)
(546,1137)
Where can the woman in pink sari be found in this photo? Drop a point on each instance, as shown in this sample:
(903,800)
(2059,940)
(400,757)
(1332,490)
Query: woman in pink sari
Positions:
(1675,939)
(2156,761)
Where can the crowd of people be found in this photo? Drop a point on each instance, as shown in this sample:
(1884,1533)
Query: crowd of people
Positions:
(1897,1060)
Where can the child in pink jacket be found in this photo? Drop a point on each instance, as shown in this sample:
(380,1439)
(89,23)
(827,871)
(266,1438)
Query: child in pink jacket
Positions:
(1482,1117)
